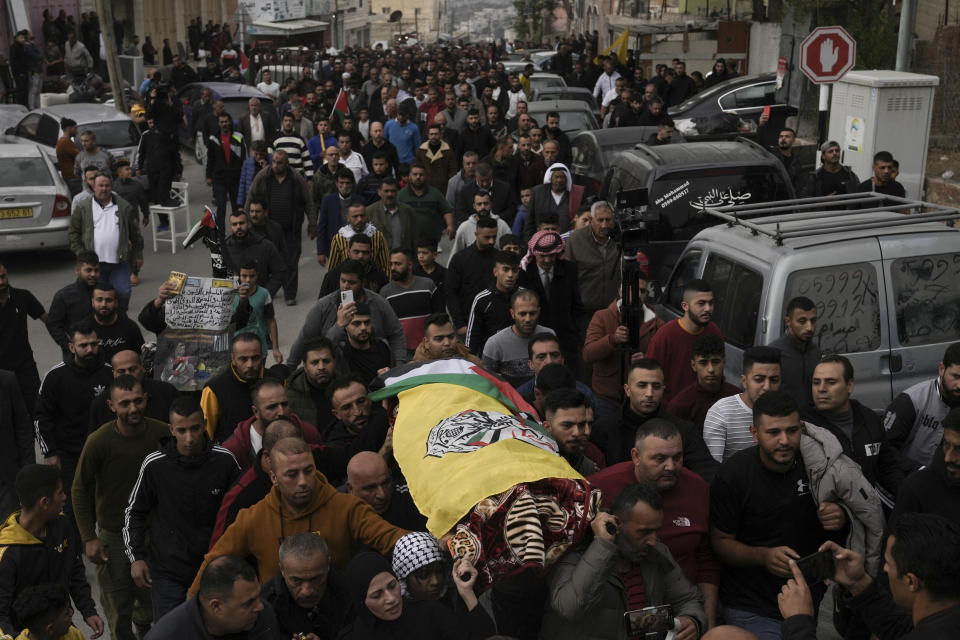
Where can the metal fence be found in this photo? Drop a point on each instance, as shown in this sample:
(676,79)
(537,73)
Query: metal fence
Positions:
(941,57)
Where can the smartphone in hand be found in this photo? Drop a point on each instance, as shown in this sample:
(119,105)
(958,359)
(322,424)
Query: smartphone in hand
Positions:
(346,297)
(817,567)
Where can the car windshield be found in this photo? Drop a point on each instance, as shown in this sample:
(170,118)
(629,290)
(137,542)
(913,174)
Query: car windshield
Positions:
(114,134)
(571,121)
(24,172)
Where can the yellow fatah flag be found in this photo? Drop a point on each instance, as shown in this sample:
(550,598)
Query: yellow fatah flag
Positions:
(618,47)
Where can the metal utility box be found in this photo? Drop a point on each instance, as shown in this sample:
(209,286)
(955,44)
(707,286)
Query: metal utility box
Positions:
(873,111)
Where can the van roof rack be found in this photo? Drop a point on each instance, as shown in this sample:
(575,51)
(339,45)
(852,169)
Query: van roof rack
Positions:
(821,215)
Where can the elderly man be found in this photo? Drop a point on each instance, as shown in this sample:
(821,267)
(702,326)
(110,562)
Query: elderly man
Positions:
(598,261)
(258,124)
(557,196)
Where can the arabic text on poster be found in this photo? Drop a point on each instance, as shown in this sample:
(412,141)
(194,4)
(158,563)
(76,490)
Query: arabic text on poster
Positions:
(206,303)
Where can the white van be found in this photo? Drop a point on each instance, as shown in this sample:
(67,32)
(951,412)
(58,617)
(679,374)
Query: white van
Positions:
(884,273)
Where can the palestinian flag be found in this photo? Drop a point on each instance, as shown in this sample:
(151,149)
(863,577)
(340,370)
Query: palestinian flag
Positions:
(481,468)
(341,107)
(244,66)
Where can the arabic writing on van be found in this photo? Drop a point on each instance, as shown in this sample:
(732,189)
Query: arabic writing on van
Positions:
(848,309)
(673,195)
(206,303)
(720,198)
(927,299)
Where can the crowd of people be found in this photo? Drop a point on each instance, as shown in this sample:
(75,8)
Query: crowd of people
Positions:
(270,505)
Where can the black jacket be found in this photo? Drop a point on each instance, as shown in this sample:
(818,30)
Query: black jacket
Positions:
(26,561)
(186,622)
(180,496)
(881,464)
(218,169)
(468,273)
(373,278)
(255,248)
(133,192)
(929,490)
(233,401)
(369,149)
(70,305)
(423,620)
(489,313)
(159,397)
(814,183)
(16,431)
(63,408)
(503,203)
(481,141)
(615,436)
(272,232)
(560,309)
(325,620)
(156,154)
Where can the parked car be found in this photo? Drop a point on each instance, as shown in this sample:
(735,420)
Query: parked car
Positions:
(567,93)
(670,185)
(884,285)
(575,115)
(115,131)
(593,151)
(235,97)
(540,80)
(744,96)
(10,115)
(34,199)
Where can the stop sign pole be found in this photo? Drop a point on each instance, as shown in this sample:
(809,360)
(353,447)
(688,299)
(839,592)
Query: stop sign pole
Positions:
(825,56)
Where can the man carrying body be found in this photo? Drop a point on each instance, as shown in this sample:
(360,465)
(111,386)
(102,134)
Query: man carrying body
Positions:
(411,297)
(726,427)
(106,475)
(178,493)
(362,352)
(565,418)
(440,341)
(369,479)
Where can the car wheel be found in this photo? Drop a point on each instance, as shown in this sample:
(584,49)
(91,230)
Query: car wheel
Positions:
(200,149)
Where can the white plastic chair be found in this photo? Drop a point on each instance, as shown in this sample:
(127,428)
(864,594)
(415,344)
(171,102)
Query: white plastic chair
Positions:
(180,192)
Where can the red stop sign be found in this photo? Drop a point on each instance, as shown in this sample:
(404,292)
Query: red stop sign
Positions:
(827,54)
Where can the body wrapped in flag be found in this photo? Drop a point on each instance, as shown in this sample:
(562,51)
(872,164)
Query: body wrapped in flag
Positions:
(482,470)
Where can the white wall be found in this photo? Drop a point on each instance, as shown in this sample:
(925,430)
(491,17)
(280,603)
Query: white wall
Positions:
(764,47)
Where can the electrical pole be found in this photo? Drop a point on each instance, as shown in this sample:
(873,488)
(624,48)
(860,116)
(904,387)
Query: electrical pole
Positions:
(908,13)
(105,11)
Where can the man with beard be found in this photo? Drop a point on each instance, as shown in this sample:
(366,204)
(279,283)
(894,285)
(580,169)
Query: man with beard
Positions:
(243,247)
(307,385)
(226,153)
(501,202)
(628,568)
(568,419)
(159,394)
(438,158)
(412,297)
(395,220)
(310,597)
(832,177)
(914,420)
(15,352)
(379,143)
(325,174)
(469,271)
(358,225)
(263,226)
(106,474)
(505,353)
(431,208)
(657,457)
(475,137)
(176,496)
(784,150)
(362,352)
(440,341)
(644,395)
(225,398)
(552,131)
(332,212)
(762,516)
(655,113)
(115,331)
(798,354)
(480,206)
(557,196)
(672,344)
(528,167)
(63,406)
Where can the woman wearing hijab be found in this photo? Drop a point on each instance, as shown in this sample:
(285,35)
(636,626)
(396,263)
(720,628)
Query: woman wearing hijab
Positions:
(384,613)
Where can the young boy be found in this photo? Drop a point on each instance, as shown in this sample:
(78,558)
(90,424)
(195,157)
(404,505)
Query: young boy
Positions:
(525,195)
(510,242)
(253,311)
(45,612)
(427,265)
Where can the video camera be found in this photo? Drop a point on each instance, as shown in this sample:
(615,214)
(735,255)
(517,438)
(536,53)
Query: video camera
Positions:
(631,220)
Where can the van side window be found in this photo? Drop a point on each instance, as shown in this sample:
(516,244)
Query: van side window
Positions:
(736,294)
(847,306)
(685,271)
(927,299)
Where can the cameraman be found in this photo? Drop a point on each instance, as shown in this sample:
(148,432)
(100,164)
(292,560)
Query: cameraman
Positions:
(159,154)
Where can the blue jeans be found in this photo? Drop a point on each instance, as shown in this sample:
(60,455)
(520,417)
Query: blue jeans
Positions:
(166,595)
(119,276)
(763,628)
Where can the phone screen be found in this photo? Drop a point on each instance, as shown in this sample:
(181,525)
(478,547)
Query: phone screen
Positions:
(817,567)
(649,620)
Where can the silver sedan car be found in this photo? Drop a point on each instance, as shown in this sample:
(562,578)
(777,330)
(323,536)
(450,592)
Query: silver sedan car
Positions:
(34,199)
(115,131)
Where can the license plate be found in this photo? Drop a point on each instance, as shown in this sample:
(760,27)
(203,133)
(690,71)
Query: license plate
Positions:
(19,212)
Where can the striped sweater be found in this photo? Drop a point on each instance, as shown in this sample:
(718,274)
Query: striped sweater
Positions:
(297,153)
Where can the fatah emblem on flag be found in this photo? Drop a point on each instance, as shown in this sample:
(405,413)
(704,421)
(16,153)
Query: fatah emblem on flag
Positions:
(482,469)
(470,430)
